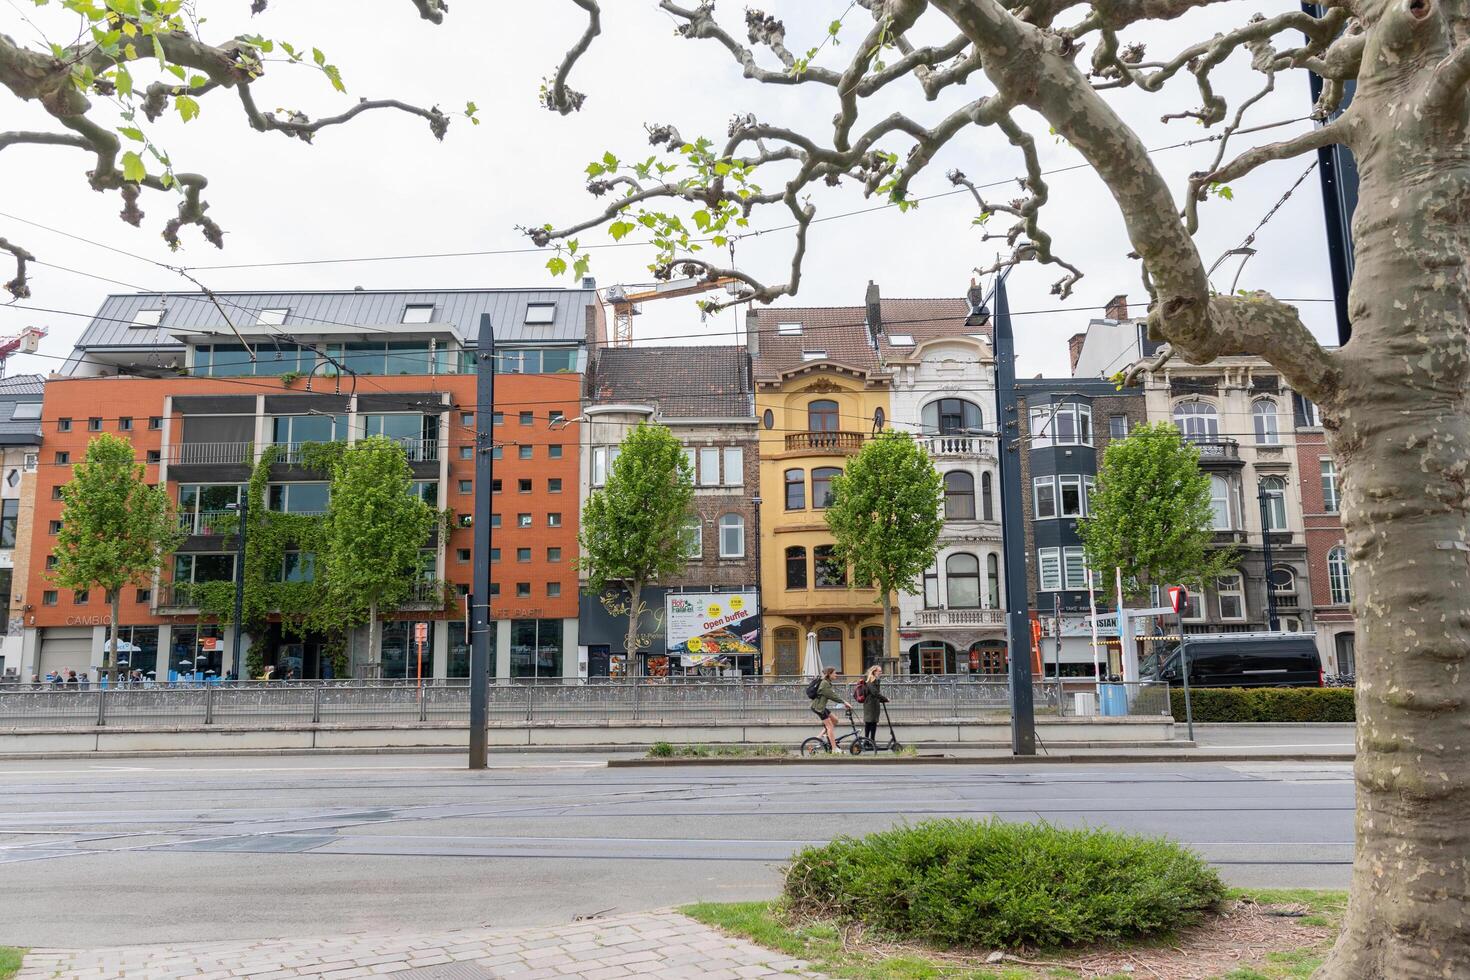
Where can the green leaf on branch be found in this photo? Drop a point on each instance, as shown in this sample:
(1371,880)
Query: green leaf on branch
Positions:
(132,166)
(188,107)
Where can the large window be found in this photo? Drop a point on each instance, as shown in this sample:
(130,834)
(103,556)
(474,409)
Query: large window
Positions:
(822,478)
(1065,424)
(1075,568)
(417,433)
(9,515)
(1049,569)
(1069,487)
(694,537)
(1330,499)
(830,572)
(1230,590)
(962,581)
(535,360)
(1220,503)
(197,567)
(709,466)
(1197,421)
(535,647)
(1263,414)
(992,581)
(795,489)
(1273,489)
(290,431)
(603,458)
(951,416)
(959,496)
(788,651)
(829,647)
(298,498)
(1044,497)
(271,360)
(732,536)
(1339,576)
(796,567)
(821,416)
(987,497)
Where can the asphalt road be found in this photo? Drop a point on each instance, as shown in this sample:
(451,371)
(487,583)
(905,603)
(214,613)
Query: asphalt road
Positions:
(153,850)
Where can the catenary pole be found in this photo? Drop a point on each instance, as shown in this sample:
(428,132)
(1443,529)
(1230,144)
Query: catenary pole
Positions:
(481,625)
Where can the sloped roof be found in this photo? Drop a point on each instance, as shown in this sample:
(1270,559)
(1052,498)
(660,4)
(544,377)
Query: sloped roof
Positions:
(15,390)
(683,382)
(23,384)
(927,319)
(842,331)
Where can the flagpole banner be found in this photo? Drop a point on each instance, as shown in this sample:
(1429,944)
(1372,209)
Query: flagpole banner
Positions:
(702,627)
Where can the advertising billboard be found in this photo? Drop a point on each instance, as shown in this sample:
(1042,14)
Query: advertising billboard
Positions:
(702,627)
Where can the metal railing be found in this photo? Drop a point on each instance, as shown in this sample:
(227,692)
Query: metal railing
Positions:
(1215,448)
(209,523)
(420,450)
(214,453)
(178,595)
(834,442)
(947,700)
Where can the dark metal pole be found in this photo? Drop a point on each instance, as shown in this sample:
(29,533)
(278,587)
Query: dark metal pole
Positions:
(1273,622)
(240,590)
(760,645)
(1013,535)
(1339,175)
(482,626)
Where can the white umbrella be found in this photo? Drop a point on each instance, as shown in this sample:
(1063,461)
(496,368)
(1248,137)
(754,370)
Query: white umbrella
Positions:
(812,664)
(123,646)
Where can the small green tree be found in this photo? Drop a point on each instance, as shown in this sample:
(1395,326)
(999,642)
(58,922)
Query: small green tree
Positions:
(885,517)
(1151,514)
(372,535)
(116,530)
(633,527)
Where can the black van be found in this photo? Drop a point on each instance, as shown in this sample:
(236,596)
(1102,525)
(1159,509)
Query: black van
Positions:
(1242,660)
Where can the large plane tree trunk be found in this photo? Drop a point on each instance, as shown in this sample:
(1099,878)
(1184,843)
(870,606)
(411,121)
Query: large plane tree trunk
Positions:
(1402,444)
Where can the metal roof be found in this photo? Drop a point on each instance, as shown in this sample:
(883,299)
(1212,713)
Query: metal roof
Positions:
(684,382)
(371,311)
(22,388)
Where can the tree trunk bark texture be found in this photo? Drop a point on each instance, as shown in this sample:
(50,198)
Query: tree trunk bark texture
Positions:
(375,663)
(109,655)
(630,642)
(889,648)
(1401,438)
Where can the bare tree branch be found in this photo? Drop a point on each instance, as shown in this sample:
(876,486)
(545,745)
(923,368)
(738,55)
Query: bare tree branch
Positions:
(556,96)
(18,287)
(1337,131)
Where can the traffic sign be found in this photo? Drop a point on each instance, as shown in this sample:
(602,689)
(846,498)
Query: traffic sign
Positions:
(421,632)
(1178,597)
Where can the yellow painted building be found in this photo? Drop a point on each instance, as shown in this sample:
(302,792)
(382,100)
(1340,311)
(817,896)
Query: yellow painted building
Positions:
(819,394)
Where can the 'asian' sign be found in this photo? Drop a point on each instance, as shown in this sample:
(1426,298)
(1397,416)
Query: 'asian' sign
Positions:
(702,627)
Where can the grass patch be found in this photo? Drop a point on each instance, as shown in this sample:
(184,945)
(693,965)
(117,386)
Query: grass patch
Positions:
(998,885)
(664,750)
(10,958)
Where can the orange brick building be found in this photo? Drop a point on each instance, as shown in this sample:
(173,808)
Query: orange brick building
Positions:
(325,367)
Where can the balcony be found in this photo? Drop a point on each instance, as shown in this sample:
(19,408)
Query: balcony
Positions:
(956,446)
(1216,450)
(209,523)
(174,597)
(824,442)
(961,617)
(420,450)
(426,594)
(1287,602)
(212,454)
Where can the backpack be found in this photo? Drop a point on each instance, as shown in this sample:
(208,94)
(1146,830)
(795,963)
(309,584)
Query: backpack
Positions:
(812,686)
(860,691)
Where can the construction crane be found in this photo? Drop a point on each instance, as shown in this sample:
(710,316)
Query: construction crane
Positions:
(625,304)
(28,341)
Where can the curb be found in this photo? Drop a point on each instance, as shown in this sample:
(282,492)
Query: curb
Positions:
(999,760)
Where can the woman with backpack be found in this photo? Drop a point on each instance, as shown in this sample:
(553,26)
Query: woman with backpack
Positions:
(870,693)
(823,696)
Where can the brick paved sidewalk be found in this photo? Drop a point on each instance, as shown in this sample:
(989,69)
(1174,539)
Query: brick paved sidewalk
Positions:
(652,944)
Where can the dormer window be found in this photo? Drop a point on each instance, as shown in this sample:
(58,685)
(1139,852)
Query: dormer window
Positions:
(901,340)
(147,318)
(541,313)
(272,318)
(418,313)
(813,355)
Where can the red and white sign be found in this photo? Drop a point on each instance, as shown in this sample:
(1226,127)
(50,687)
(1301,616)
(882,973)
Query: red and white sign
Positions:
(421,632)
(1178,597)
(210,643)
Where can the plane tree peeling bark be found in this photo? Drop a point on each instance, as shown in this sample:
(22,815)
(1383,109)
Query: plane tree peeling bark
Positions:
(1394,400)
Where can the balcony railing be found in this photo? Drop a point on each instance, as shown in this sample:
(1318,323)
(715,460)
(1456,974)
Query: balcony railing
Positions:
(833,442)
(209,522)
(1215,448)
(179,595)
(956,446)
(420,450)
(212,453)
(961,617)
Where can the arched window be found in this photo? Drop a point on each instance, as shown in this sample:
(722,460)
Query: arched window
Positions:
(962,581)
(1273,489)
(878,420)
(822,486)
(1220,503)
(951,416)
(796,567)
(987,498)
(1339,576)
(1263,412)
(821,415)
(829,647)
(872,645)
(788,651)
(732,536)
(795,489)
(992,581)
(959,496)
(1197,421)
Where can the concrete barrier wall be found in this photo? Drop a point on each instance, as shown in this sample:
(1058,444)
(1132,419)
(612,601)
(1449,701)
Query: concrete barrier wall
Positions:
(1059,732)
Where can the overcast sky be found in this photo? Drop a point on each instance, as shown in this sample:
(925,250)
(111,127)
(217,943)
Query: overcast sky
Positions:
(382,186)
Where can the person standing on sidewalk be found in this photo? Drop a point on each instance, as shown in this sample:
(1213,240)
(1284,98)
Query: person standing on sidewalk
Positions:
(873,701)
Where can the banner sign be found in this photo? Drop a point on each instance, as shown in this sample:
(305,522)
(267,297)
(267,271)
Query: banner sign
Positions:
(704,626)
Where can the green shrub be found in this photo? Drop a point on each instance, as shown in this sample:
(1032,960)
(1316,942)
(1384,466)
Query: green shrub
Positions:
(1281,704)
(995,884)
(660,750)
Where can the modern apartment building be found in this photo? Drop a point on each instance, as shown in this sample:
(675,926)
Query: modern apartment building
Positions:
(208,389)
(703,395)
(20,448)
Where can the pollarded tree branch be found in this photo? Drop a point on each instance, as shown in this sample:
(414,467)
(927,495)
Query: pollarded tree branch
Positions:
(18,287)
(556,95)
(1335,132)
(1450,78)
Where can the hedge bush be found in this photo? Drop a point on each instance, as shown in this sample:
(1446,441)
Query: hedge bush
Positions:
(1266,703)
(994,884)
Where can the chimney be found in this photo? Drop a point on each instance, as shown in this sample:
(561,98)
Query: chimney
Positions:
(976,296)
(1074,347)
(875,310)
(1117,308)
(752,333)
